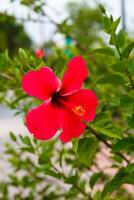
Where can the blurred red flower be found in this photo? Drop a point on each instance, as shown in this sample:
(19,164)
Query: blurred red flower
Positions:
(66,105)
(39,53)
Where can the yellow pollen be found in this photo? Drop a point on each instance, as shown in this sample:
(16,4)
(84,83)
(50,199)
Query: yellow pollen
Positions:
(79,110)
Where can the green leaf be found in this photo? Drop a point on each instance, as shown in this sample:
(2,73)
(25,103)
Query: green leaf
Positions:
(75,145)
(108,130)
(128,49)
(131,65)
(125,175)
(102,9)
(113,79)
(22,54)
(101,117)
(52,173)
(37,8)
(27,2)
(130,121)
(44,160)
(94,178)
(13,137)
(72,179)
(111,19)
(114,102)
(115,24)
(27,149)
(119,66)
(125,145)
(46,152)
(26,140)
(72,193)
(120,38)
(106,51)
(106,24)
(86,149)
(103,124)
(112,40)
(127,102)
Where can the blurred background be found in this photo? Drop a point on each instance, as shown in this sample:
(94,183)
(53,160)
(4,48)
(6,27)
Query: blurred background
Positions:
(42,32)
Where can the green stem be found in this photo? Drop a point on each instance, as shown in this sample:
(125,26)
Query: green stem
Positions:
(118,50)
(94,132)
(127,73)
(130,79)
(75,185)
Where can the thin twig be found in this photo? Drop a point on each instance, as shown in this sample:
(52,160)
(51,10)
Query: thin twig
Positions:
(93,131)
(130,79)
(75,185)
(6,76)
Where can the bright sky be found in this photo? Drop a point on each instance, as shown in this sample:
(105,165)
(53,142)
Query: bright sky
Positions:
(41,32)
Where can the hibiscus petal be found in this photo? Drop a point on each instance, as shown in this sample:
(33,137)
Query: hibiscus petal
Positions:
(83,103)
(41,83)
(41,121)
(74,76)
(72,126)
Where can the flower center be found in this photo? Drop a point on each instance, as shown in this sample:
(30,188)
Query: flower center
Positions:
(56,99)
(79,110)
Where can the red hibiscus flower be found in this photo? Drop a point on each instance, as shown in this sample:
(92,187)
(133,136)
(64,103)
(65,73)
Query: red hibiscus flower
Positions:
(39,53)
(65,104)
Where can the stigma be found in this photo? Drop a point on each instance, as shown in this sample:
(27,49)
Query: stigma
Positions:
(79,110)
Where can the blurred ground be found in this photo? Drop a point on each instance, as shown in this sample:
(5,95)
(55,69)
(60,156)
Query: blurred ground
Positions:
(9,122)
